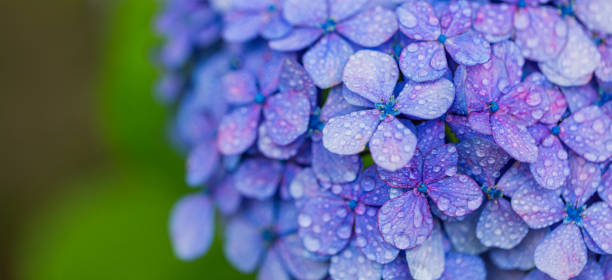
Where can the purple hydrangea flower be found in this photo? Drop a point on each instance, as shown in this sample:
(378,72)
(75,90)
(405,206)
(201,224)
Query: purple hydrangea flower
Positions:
(247,19)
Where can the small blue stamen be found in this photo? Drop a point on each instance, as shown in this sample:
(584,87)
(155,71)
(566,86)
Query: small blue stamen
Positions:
(329,26)
(387,108)
(442,38)
(521,4)
(574,214)
(555,130)
(492,192)
(352,204)
(271,8)
(268,235)
(259,98)
(422,188)
(493,107)
(397,50)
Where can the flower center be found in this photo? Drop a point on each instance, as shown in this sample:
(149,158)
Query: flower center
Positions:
(422,188)
(329,26)
(555,130)
(315,123)
(492,192)
(259,98)
(493,107)
(272,8)
(352,204)
(521,4)
(574,214)
(442,38)
(268,235)
(387,108)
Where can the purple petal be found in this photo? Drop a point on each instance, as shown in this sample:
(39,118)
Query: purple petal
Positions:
(423,61)
(521,256)
(380,24)
(460,126)
(371,74)
(426,100)
(481,159)
(591,271)
(275,27)
(272,150)
(551,168)
(604,70)
(409,176)
(579,97)
(427,260)
(396,270)
(304,187)
(557,101)
(541,33)
(606,264)
(605,188)
(343,266)
(297,39)
(480,122)
(369,240)
(553,75)
(462,234)
(241,26)
(239,87)
(243,245)
(192,226)
(355,99)
(201,163)
(374,191)
(341,135)
(336,105)
(269,73)
(562,253)
(301,263)
(498,226)
(405,221)
(342,9)
(455,196)
(272,268)
(514,178)
(495,19)
(456,18)
(287,116)
(595,14)
(469,48)
(538,207)
(440,162)
(306,13)
(463,266)
(588,133)
(227,198)
(514,139)
(334,168)
(392,145)
(418,20)
(293,78)
(258,178)
(238,130)
(325,225)
(584,178)
(537,275)
(325,61)
(526,103)
(590,244)
(430,135)
(597,221)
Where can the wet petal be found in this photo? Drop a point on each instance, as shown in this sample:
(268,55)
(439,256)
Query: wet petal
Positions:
(541,33)
(597,222)
(374,191)
(239,87)
(405,221)
(258,177)
(202,162)
(469,48)
(514,139)
(604,70)
(301,263)
(396,270)
(348,134)
(584,178)
(426,100)
(495,19)
(538,207)
(499,226)
(456,18)
(192,226)
(606,265)
(392,145)
(238,130)
(521,256)
(480,122)
(337,105)
(243,246)
(325,61)
(342,9)
(308,13)
(351,264)
(551,168)
(430,135)
(272,150)
(369,240)
(460,127)
(370,28)
(371,74)
(440,162)
(325,225)
(287,116)
(595,14)
(526,103)
(335,168)
(423,61)
(296,39)
(427,260)
(409,176)
(481,159)
(355,99)
(562,253)
(304,187)
(514,178)
(294,79)
(276,26)
(463,266)
(605,188)
(579,97)
(272,268)
(462,234)
(418,20)
(588,133)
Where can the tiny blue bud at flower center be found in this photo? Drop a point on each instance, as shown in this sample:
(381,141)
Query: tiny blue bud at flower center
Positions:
(521,4)
(352,204)
(574,214)
(272,8)
(493,107)
(492,192)
(268,235)
(387,108)
(329,26)
(555,130)
(442,38)
(422,188)
(259,98)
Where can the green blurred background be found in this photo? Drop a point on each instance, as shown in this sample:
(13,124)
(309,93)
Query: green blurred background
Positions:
(87,177)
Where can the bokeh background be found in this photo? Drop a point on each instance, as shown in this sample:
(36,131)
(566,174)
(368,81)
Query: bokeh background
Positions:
(87,177)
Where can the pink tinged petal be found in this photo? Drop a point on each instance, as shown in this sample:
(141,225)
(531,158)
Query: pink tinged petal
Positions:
(272,268)
(499,226)
(300,263)
(369,240)
(294,79)
(539,131)
(430,134)
(469,48)
(371,74)
(597,222)
(370,28)
(418,20)
(440,162)
(409,176)
(480,122)
(455,196)
(258,178)
(588,132)
(392,145)
(463,266)
(562,253)
(342,9)
(462,234)
(456,18)
(423,61)
(538,207)
(558,104)
(427,260)
(270,149)
(201,163)
(605,188)
(287,116)
(551,168)
(243,246)
(426,100)
(334,168)
(396,270)
(584,178)
(297,39)
(604,70)
(373,190)
(192,226)
(495,19)
(238,130)
(521,256)
(343,266)
(227,198)
(541,33)
(482,159)
(526,103)
(595,14)
(514,139)
(325,61)
(239,87)
(579,97)
(348,134)
(306,13)
(355,99)
(241,26)
(325,225)
(405,221)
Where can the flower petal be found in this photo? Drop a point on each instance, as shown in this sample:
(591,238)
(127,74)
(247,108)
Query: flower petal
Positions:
(371,74)
(325,225)
(239,87)
(605,188)
(551,168)
(298,261)
(241,26)
(334,168)
(272,268)
(272,150)
(562,253)
(418,20)
(455,196)
(495,19)
(258,177)
(427,260)
(526,103)
(423,61)
(392,145)
(405,221)
(584,178)
(238,130)
(202,162)
(482,159)
(541,33)
(343,266)
(369,240)
(396,270)
(463,266)
(469,48)
(521,256)
(305,13)
(325,61)
(348,134)
(440,162)
(514,139)
(514,178)
(557,101)
(409,176)
(588,133)
(294,79)
(355,99)
(538,207)
(343,9)
(192,226)
(456,18)
(597,221)
(426,100)
(462,234)
(287,116)
(498,226)
(579,97)
(430,135)
(297,39)
(374,191)
(243,246)
(370,28)
(227,198)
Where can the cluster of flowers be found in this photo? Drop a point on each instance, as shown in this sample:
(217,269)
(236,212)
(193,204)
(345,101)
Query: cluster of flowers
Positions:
(394,139)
